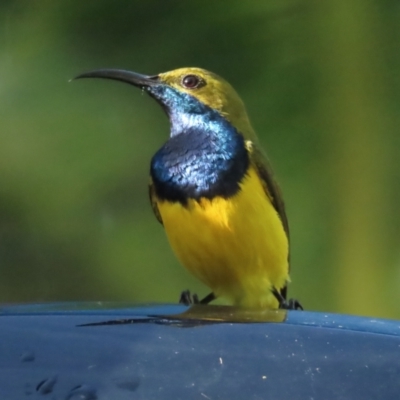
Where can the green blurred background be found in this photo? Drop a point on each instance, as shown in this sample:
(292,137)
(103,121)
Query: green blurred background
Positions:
(321,83)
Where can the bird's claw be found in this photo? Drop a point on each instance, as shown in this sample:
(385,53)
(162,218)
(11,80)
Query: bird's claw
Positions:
(188,299)
(291,304)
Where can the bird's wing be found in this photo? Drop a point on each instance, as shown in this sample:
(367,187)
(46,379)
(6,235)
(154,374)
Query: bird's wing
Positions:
(271,188)
(153,202)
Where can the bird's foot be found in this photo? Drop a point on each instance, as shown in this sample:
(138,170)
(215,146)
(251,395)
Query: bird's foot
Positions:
(187,298)
(291,304)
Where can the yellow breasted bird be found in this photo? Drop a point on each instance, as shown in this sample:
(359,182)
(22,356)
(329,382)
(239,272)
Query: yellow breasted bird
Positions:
(213,190)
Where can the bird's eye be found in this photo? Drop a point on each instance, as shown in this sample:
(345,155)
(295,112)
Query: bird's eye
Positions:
(191,81)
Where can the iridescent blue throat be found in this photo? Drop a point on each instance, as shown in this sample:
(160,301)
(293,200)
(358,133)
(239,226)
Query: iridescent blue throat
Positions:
(205,155)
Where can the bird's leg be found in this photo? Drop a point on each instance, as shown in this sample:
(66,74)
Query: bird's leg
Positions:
(208,299)
(291,304)
(187,298)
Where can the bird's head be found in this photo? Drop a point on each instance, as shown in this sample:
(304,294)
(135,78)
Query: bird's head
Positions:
(186,93)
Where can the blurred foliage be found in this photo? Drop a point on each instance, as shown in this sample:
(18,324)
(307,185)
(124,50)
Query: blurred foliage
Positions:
(320,81)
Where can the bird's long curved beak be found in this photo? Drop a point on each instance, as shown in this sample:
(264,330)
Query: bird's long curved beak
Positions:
(132,78)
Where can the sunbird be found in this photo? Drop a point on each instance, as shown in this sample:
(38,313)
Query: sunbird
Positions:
(213,190)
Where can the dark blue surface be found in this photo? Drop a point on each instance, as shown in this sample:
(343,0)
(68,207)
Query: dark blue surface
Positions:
(167,352)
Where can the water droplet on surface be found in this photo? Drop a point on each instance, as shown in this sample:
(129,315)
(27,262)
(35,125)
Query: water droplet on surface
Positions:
(131,384)
(46,386)
(27,356)
(82,392)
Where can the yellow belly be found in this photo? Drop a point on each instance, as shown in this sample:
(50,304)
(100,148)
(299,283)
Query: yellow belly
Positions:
(236,246)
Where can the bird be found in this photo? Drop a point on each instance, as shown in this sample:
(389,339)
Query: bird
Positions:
(213,190)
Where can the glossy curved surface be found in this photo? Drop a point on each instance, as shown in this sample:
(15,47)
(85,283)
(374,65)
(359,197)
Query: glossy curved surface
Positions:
(108,351)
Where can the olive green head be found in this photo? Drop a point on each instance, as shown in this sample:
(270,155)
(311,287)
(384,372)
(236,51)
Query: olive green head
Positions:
(199,84)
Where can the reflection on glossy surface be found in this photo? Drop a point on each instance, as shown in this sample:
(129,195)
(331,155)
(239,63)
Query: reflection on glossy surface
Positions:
(230,314)
(198,315)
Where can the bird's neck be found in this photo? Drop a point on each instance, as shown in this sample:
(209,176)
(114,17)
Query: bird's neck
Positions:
(182,122)
(204,157)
